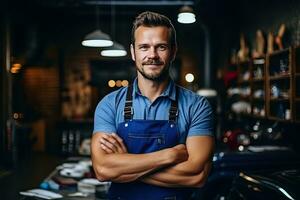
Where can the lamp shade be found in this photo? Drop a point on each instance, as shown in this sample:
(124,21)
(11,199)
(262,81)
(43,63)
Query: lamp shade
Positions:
(117,50)
(97,39)
(186,15)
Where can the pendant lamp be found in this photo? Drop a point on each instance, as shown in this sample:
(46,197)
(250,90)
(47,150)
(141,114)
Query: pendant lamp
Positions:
(186,15)
(97,38)
(116,50)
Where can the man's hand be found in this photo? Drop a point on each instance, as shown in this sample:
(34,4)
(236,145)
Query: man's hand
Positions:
(190,173)
(112,143)
(180,153)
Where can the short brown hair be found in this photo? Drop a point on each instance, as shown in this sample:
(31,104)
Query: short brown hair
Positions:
(152,19)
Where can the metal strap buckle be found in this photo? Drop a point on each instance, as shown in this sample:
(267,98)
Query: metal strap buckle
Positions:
(128,110)
(173,111)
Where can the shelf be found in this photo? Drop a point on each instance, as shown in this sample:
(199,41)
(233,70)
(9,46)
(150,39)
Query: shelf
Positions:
(258,79)
(259,60)
(259,116)
(297,99)
(275,53)
(279,99)
(279,119)
(297,74)
(282,76)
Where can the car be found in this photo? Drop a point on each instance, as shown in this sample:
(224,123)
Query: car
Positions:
(227,165)
(280,185)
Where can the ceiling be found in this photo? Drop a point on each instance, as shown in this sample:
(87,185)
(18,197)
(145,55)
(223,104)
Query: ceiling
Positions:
(67,19)
(88,6)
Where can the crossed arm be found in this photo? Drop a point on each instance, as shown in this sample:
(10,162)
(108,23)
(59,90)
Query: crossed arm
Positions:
(180,166)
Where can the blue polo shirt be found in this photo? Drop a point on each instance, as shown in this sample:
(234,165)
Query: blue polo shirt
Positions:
(195,116)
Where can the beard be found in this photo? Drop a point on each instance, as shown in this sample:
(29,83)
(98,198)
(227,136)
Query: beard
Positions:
(157,77)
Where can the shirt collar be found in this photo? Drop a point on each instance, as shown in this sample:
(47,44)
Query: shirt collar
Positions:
(170,91)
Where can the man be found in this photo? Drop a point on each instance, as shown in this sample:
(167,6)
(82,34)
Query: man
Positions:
(153,139)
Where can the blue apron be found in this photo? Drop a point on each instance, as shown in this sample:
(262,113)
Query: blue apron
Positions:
(145,136)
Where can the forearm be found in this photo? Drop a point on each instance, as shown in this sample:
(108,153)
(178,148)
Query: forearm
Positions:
(129,177)
(187,168)
(183,183)
(126,178)
(112,166)
(175,176)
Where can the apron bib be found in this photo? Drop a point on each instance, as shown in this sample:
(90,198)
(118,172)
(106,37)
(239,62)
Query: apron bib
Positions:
(145,136)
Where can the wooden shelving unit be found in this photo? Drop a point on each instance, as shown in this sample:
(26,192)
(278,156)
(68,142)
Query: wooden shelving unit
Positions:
(279,84)
(271,85)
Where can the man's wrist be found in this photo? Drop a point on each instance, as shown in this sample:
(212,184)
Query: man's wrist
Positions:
(169,156)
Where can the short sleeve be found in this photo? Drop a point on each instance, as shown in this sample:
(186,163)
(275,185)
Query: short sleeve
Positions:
(104,118)
(202,119)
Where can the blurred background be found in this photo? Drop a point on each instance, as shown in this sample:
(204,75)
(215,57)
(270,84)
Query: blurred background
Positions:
(244,56)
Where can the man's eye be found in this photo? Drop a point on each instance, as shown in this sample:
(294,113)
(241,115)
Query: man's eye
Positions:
(162,48)
(143,48)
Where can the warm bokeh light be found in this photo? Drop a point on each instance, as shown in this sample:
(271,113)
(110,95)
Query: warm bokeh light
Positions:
(125,83)
(16,115)
(111,83)
(17,66)
(14,70)
(118,83)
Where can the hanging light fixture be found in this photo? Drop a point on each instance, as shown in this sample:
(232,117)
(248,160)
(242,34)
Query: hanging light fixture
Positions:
(117,50)
(97,38)
(186,15)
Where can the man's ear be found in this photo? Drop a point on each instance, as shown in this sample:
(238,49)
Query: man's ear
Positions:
(132,52)
(174,51)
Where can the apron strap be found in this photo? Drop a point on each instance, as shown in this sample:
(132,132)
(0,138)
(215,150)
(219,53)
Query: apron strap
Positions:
(128,109)
(173,112)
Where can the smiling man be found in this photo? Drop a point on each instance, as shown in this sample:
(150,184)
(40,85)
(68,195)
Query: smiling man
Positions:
(153,139)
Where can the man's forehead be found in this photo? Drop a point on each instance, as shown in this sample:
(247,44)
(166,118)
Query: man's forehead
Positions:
(149,33)
(149,28)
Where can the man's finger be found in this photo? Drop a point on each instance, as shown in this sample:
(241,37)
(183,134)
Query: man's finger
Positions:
(120,141)
(107,150)
(115,141)
(108,144)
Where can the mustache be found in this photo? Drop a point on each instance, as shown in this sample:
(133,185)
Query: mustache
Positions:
(153,62)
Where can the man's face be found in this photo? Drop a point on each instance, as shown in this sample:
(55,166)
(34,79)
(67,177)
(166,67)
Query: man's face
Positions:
(152,52)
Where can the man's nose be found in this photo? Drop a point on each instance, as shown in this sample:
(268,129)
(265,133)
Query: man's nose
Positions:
(152,53)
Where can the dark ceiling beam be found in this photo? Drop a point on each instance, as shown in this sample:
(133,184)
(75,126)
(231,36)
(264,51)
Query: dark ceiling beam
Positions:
(138,3)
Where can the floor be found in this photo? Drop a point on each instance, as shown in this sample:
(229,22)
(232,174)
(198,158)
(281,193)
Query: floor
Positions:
(28,174)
